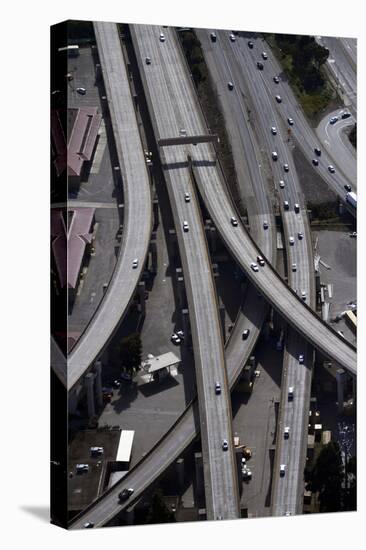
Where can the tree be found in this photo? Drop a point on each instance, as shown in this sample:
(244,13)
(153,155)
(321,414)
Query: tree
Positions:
(326,478)
(130,352)
(158,511)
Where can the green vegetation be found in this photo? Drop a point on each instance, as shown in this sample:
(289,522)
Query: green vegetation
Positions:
(302,60)
(210,105)
(130,352)
(324,211)
(80,30)
(326,478)
(353,136)
(158,511)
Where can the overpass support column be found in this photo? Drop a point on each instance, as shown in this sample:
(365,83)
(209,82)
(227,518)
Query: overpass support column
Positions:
(340,376)
(180,287)
(186,326)
(222,318)
(154,256)
(179,467)
(198,462)
(89,382)
(98,383)
(173,241)
(141,291)
(130,515)
(155,213)
(213,238)
(202,514)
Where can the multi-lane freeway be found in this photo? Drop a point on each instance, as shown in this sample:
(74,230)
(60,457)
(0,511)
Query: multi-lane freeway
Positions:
(174,107)
(137,222)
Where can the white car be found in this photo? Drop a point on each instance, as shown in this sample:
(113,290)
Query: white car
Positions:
(286,205)
(254,266)
(147,60)
(162,37)
(274,155)
(274,130)
(260,261)
(175,338)
(291,392)
(282,184)
(81,91)
(232,37)
(135,263)
(303,294)
(185,226)
(291,241)
(265,224)
(234,221)
(225,445)
(88,525)
(187,197)
(294,266)
(282,470)
(333,120)
(301,359)
(286,167)
(276,80)
(286,432)
(264,55)
(331,169)
(245,333)
(290,121)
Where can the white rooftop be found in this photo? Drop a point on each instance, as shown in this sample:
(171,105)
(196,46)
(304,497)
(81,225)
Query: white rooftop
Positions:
(165,360)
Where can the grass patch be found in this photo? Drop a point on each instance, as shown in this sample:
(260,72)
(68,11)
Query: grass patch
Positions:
(313,101)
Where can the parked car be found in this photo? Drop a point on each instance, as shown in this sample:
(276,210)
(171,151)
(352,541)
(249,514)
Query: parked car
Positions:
(81,91)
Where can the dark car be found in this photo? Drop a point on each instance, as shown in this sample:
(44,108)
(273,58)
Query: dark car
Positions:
(346,115)
(348,187)
(276,80)
(317,151)
(213,37)
(315,162)
(260,65)
(230,85)
(250,44)
(125,494)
